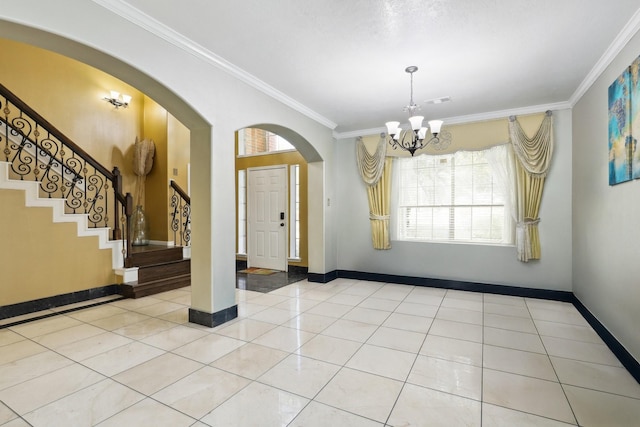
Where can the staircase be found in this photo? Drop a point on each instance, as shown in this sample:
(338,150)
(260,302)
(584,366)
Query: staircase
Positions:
(160,269)
(54,171)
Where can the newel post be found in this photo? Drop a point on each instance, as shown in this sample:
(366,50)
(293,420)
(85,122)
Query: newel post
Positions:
(117,190)
(128,211)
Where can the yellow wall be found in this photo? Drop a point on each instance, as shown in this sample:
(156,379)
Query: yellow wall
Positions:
(43,269)
(285,158)
(69,95)
(157,183)
(179,157)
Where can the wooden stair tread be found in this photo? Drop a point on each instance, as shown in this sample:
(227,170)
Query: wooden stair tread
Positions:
(149,255)
(137,290)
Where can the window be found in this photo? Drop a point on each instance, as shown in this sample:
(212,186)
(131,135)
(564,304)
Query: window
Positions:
(242,212)
(450,198)
(294,211)
(253,141)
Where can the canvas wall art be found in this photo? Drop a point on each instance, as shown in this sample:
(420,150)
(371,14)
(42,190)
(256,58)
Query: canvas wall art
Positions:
(624,126)
(634,85)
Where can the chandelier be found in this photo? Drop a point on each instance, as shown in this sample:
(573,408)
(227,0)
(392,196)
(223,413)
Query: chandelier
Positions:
(414,139)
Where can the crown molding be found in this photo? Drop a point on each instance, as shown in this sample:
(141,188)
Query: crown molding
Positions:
(481,117)
(142,20)
(155,27)
(621,40)
(360,132)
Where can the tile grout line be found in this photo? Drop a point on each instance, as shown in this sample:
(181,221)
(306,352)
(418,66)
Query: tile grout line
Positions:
(482,366)
(344,365)
(564,393)
(416,358)
(378,326)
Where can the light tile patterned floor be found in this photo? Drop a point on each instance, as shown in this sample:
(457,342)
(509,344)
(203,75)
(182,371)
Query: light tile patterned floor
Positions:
(346,353)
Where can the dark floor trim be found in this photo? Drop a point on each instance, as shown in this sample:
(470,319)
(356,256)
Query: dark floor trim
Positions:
(27,307)
(457,285)
(322,278)
(57,313)
(627,360)
(296,269)
(212,320)
(241,264)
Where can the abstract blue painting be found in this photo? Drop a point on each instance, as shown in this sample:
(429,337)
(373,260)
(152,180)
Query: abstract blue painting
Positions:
(624,126)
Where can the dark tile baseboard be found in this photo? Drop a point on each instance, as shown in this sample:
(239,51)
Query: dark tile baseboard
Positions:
(322,278)
(456,284)
(28,307)
(628,361)
(212,320)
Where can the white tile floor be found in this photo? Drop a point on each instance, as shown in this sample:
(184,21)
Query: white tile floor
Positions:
(346,353)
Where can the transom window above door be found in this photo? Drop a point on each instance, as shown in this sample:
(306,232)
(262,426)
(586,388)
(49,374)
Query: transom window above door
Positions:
(254,141)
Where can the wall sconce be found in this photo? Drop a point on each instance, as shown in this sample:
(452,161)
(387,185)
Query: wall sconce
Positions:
(118,100)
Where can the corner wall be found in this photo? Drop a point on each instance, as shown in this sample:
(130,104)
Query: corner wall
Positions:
(605,218)
(456,261)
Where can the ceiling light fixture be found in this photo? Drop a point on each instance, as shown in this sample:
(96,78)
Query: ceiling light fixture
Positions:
(413,139)
(118,100)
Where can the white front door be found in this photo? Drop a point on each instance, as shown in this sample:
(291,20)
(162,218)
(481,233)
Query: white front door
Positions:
(267,217)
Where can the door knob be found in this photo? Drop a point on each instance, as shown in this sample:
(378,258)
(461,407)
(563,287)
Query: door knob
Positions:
(282,224)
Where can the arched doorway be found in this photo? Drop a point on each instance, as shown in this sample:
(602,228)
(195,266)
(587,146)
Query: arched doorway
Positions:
(201,135)
(262,152)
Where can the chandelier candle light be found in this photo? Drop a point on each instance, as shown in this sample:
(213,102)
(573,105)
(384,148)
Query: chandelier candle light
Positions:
(414,139)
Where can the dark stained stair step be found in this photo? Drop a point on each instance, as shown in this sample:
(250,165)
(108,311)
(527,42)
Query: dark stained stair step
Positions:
(160,269)
(149,255)
(138,290)
(149,273)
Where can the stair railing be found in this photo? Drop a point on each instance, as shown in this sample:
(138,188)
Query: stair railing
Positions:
(180,215)
(38,151)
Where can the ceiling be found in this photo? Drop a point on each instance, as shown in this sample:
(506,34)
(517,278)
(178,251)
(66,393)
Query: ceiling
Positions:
(342,61)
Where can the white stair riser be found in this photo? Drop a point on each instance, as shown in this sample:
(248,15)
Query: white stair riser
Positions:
(33,199)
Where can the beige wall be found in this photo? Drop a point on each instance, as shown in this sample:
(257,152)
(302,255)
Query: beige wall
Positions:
(43,269)
(470,136)
(605,218)
(458,261)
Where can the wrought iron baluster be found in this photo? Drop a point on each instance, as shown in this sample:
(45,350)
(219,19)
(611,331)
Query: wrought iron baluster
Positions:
(48,150)
(175,221)
(186,225)
(5,123)
(180,215)
(62,167)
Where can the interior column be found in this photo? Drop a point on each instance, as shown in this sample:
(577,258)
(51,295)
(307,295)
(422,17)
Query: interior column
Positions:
(213,275)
